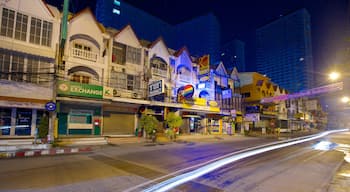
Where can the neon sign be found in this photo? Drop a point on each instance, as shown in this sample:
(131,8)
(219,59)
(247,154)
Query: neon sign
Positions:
(315,91)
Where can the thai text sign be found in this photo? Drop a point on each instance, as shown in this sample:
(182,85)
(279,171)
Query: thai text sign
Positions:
(155,88)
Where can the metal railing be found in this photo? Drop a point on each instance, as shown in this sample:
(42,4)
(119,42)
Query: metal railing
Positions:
(83,54)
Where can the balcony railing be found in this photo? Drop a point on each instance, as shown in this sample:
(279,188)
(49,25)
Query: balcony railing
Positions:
(83,54)
(159,72)
(184,78)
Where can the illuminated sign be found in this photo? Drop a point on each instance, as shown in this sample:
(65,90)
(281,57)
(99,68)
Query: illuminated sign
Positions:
(155,88)
(324,89)
(203,63)
(116,7)
(226,94)
(186,91)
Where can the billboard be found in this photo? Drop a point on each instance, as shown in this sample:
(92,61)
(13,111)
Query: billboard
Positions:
(203,63)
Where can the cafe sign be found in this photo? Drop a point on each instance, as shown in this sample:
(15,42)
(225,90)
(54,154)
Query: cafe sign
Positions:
(70,88)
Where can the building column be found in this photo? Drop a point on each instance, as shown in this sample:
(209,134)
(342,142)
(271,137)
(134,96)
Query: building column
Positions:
(13,121)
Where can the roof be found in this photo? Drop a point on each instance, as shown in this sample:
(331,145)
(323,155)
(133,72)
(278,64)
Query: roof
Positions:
(88,10)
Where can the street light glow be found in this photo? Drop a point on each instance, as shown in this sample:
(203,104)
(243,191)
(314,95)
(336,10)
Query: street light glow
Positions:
(334,76)
(345,99)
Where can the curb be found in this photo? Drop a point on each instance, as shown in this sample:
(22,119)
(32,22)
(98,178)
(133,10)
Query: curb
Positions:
(45,152)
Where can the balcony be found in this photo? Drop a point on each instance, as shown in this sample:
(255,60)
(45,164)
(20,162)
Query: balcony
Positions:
(83,54)
(186,78)
(159,72)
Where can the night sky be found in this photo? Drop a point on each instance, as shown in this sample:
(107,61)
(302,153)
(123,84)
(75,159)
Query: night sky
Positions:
(239,19)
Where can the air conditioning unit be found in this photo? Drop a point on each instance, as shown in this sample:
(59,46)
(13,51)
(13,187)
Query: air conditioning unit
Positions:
(116,93)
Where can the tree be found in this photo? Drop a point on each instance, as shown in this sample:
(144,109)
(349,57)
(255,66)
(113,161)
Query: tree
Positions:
(43,127)
(174,122)
(149,123)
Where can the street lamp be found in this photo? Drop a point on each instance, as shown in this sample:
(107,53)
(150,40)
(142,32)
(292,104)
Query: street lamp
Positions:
(334,75)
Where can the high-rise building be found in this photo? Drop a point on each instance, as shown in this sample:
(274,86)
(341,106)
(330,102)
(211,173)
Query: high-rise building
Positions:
(284,51)
(201,35)
(233,55)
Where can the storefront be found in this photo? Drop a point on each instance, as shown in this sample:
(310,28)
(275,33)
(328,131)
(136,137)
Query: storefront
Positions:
(22,105)
(20,118)
(79,108)
(192,123)
(79,118)
(119,119)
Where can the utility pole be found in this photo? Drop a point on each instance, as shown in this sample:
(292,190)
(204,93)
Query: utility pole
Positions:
(53,132)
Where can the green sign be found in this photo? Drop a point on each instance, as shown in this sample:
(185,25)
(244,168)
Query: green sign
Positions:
(78,89)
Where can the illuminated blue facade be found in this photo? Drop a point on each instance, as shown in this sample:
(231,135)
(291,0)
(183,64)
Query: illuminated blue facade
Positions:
(201,35)
(284,51)
(233,55)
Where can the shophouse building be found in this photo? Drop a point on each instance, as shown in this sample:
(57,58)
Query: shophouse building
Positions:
(28,45)
(105,78)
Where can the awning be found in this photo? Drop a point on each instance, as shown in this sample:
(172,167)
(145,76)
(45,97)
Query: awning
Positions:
(84,101)
(128,100)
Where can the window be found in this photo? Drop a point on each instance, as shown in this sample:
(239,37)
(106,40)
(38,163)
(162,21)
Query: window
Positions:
(32,70)
(7,22)
(133,55)
(5,121)
(46,34)
(21,27)
(4,66)
(38,71)
(80,116)
(119,53)
(80,78)
(23,121)
(35,31)
(125,81)
(17,71)
(122,53)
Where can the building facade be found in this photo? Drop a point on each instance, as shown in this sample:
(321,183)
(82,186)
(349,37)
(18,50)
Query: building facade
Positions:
(28,40)
(284,52)
(201,34)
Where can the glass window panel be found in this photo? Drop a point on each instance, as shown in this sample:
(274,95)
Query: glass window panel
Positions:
(5,121)
(35,30)
(47,34)
(17,71)
(7,22)
(4,65)
(21,27)
(23,121)
(32,70)
(119,53)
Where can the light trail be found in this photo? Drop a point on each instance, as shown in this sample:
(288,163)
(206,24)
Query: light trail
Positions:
(183,178)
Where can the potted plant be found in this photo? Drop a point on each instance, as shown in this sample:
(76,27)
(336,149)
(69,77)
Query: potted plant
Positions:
(149,123)
(174,122)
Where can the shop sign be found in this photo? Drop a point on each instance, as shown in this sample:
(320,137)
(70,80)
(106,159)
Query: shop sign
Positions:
(239,119)
(269,113)
(200,101)
(185,93)
(155,88)
(252,117)
(212,103)
(50,106)
(203,63)
(226,94)
(108,92)
(78,89)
